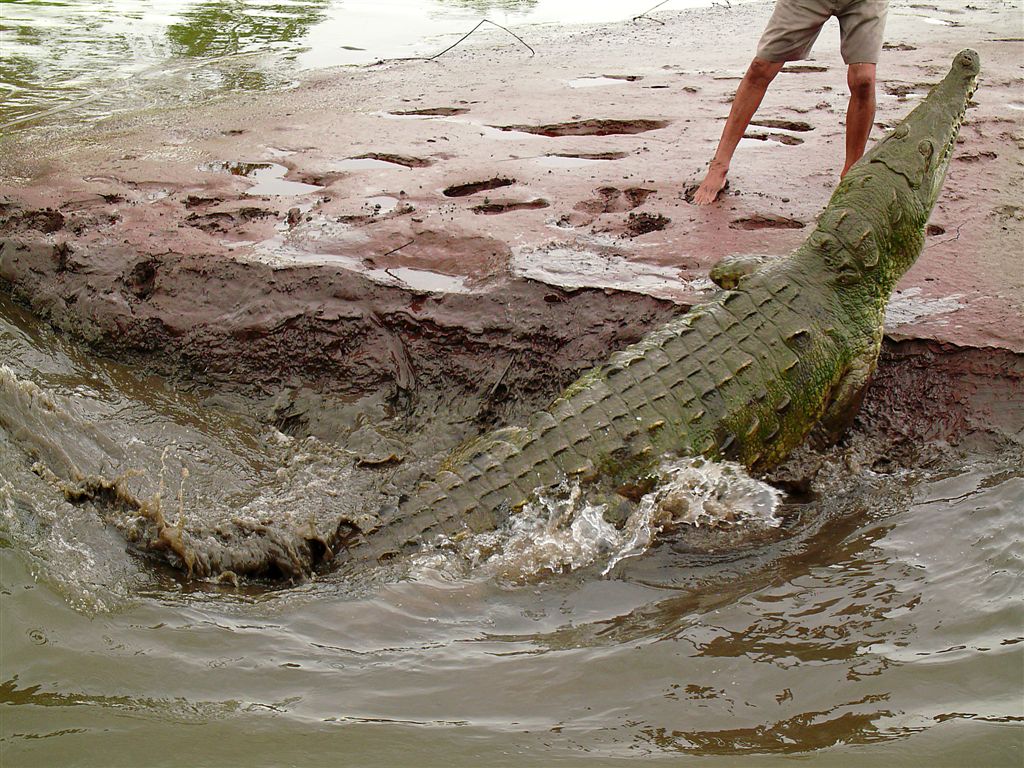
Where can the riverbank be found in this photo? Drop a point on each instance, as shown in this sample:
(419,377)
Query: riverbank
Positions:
(359,228)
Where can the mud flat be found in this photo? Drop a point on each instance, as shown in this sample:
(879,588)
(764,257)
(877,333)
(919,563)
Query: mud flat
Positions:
(492,221)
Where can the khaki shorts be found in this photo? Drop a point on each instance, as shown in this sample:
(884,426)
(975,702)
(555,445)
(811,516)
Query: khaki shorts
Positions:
(795,24)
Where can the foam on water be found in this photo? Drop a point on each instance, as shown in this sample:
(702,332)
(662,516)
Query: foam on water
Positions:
(565,529)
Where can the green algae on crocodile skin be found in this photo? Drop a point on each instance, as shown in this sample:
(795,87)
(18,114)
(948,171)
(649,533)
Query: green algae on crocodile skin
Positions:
(747,376)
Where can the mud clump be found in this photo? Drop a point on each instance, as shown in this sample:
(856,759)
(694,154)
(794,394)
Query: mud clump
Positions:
(589,127)
(765,221)
(643,223)
(507,206)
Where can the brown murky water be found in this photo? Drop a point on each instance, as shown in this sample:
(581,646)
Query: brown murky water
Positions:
(885,628)
(68,60)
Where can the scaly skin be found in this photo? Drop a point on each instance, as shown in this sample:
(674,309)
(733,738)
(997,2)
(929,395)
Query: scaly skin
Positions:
(746,376)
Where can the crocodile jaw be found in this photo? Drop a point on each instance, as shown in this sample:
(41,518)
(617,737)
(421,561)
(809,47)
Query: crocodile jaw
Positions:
(873,228)
(920,147)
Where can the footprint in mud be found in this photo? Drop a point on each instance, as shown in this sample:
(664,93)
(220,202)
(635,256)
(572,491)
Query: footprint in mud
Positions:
(507,206)
(195,201)
(597,80)
(593,127)
(369,160)
(590,155)
(800,126)
(141,278)
(975,157)
(431,112)
(902,91)
(471,188)
(577,159)
(614,200)
(45,220)
(1008,213)
(803,68)
(223,221)
(765,221)
(781,138)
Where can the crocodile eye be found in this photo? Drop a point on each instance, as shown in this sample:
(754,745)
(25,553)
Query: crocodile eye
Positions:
(927,150)
(901,131)
(895,209)
(825,244)
(866,250)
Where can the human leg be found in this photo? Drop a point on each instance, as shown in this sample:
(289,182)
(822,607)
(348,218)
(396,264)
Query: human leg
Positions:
(860,115)
(748,98)
(789,35)
(861,25)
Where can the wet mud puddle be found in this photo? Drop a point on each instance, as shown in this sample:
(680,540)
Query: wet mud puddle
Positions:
(874,611)
(268,178)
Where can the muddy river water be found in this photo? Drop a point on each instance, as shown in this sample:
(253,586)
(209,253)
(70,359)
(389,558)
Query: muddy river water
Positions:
(90,58)
(883,627)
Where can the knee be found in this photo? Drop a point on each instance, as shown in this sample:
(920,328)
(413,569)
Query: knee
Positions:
(761,71)
(861,79)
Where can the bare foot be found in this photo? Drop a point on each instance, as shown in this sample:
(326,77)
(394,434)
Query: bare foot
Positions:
(712,185)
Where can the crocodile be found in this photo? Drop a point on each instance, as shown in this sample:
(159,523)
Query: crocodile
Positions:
(788,349)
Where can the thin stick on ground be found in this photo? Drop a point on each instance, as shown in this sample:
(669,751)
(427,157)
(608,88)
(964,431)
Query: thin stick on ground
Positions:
(396,250)
(474,29)
(645,16)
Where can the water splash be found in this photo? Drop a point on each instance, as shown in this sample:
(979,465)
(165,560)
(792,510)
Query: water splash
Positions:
(567,528)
